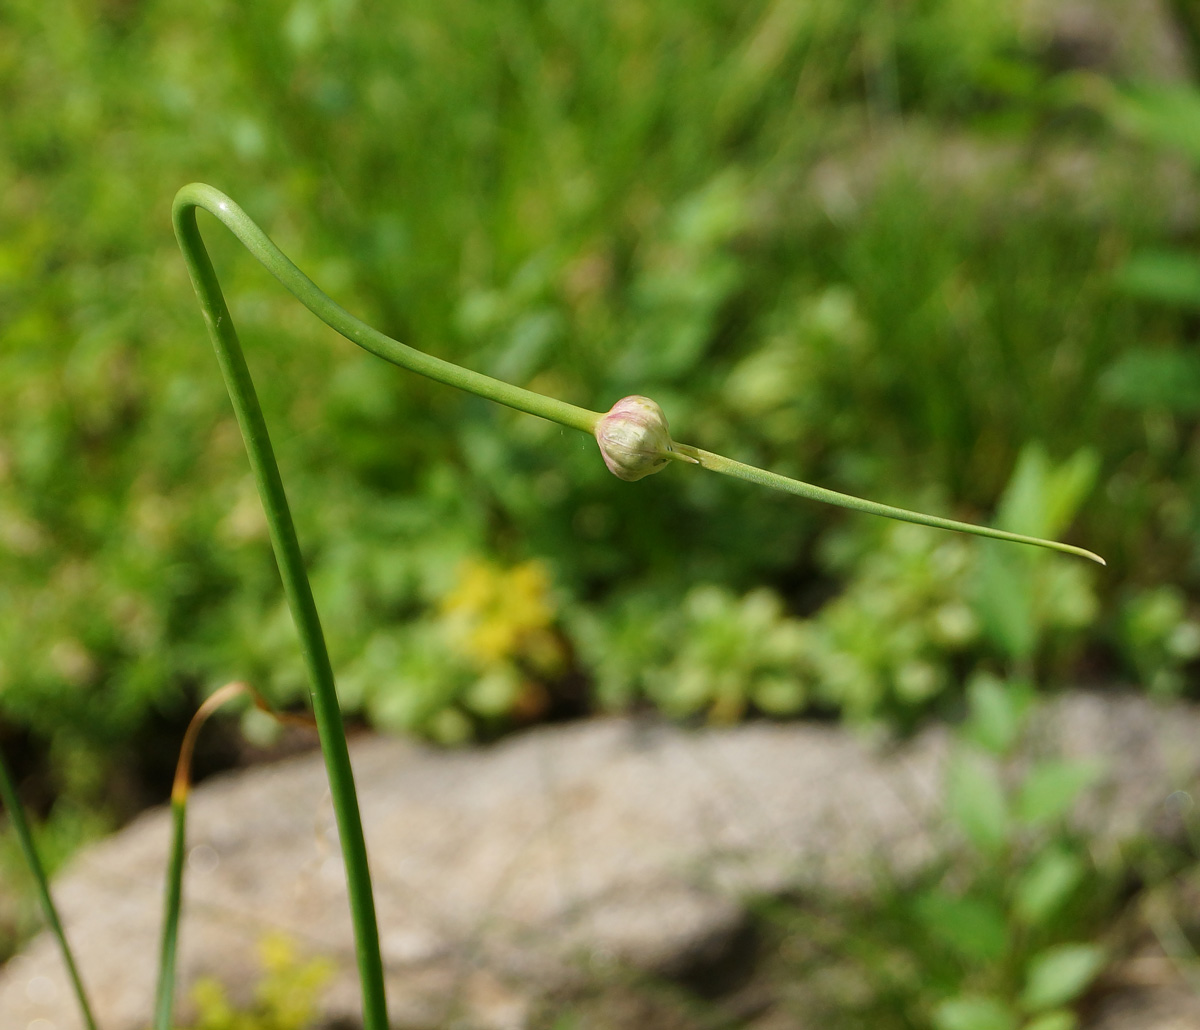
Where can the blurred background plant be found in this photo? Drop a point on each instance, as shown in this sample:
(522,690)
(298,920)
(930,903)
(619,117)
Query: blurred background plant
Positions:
(937,253)
(1008,932)
(286,998)
(1013,926)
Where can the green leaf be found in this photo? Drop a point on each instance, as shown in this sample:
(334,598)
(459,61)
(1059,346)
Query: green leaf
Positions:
(998,708)
(1167,276)
(1022,505)
(1042,889)
(1166,115)
(1059,1019)
(1156,380)
(1051,788)
(974,1012)
(1067,487)
(974,928)
(1004,601)
(1060,974)
(975,801)
(1042,499)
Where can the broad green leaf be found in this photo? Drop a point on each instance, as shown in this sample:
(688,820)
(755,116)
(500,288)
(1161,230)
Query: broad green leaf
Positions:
(1067,487)
(1168,276)
(1059,1019)
(1042,889)
(1060,974)
(975,801)
(1166,115)
(974,1012)
(1042,499)
(1023,503)
(998,708)
(974,928)
(1004,601)
(1051,788)
(1154,380)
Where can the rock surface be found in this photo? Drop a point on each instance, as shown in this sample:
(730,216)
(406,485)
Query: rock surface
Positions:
(1136,40)
(1169,1008)
(509,872)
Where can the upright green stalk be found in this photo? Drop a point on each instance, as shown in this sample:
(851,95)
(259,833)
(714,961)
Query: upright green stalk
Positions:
(291,567)
(164,998)
(16,818)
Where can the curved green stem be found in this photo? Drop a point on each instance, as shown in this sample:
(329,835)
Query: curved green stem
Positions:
(309,294)
(729,467)
(334,315)
(283,534)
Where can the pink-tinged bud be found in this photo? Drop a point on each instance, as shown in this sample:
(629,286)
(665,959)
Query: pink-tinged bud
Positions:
(633,438)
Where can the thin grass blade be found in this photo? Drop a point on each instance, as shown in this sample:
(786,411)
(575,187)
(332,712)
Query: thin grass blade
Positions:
(16,817)
(180,789)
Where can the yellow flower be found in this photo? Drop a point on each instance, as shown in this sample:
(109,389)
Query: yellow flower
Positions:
(494,613)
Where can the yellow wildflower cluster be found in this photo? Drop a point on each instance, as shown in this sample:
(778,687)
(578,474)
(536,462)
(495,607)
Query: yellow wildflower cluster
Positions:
(286,998)
(502,615)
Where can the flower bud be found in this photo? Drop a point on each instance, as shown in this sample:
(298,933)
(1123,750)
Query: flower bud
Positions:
(634,439)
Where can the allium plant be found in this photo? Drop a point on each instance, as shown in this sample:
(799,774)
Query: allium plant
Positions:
(634,441)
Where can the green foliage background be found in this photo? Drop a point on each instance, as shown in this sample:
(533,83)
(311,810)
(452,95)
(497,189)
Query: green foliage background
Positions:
(894,249)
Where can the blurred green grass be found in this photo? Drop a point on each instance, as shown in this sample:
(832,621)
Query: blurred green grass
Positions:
(890,249)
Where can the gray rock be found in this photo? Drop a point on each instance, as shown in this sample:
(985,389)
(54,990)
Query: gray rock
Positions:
(1132,39)
(1150,1008)
(507,873)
